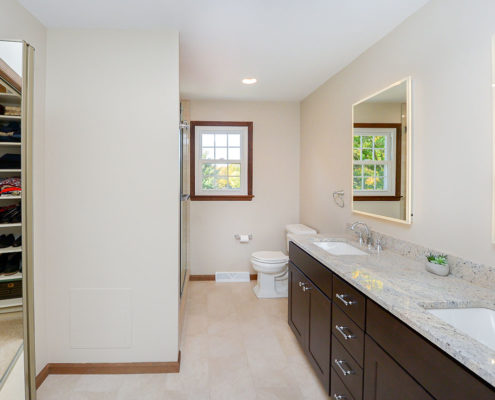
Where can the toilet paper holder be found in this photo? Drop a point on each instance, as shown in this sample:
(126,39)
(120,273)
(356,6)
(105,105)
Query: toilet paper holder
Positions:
(238,237)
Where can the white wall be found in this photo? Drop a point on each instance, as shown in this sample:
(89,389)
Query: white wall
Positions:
(112,188)
(446,48)
(275,187)
(17,24)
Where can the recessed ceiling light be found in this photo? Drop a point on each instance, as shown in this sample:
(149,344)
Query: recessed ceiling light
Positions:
(249,81)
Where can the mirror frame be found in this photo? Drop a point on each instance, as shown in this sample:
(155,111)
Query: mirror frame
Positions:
(409,154)
(493,139)
(27,220)
(27,212)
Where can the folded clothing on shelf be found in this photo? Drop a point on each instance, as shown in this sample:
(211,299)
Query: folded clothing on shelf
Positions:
(10,186)
(10,131)
(10,214)
(10,161)
(10,110)
(10,263)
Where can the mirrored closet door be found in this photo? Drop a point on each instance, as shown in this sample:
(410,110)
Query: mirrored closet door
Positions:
(16,280)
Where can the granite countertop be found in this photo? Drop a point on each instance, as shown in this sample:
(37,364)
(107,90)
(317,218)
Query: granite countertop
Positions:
(11,339)
(403,287)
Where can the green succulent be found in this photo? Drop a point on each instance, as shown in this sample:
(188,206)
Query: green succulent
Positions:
(440,259)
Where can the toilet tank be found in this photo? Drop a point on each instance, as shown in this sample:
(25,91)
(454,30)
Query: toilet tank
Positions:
(298,229)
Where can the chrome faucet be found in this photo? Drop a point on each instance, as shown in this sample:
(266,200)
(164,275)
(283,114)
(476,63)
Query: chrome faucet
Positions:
(367,239)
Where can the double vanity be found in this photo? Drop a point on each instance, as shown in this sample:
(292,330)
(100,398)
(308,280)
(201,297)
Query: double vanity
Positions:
(377,326)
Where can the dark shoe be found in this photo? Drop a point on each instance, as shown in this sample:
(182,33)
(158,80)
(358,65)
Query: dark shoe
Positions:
(3,262)
(6,241)
(17,242)
(10,215)
(16,217)
(10,161)
(13,264)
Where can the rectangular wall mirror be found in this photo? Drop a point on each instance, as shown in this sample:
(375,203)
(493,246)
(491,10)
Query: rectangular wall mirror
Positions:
(381,154)
(16,279)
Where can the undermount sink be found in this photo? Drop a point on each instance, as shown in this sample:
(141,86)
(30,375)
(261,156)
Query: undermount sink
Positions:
(340,249)
(479,323)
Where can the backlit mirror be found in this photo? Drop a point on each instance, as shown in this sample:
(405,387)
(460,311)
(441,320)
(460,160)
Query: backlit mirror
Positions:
(16,279)
(381,154)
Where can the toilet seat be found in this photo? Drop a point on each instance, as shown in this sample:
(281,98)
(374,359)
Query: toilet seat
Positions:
(270,257)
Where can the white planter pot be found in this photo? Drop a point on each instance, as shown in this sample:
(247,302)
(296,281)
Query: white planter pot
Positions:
(437,269)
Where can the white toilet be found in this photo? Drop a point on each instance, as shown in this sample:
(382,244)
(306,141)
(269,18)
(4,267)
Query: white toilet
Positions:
(271,266)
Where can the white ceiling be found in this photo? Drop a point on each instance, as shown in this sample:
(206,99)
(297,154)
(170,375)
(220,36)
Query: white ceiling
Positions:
(290,46)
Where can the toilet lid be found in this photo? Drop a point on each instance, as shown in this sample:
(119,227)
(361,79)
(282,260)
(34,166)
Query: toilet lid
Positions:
(270,256)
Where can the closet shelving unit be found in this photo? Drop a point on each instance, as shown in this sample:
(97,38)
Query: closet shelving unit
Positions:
(12,97)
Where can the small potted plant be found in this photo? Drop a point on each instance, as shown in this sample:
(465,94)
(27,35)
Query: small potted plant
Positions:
(437,264)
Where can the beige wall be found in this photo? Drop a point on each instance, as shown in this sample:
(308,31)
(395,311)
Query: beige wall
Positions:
(112,195)
(275,187)
(372,113)
(17,24)
(446,49)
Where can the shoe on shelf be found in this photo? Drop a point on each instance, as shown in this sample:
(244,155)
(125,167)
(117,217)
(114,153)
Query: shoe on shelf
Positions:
(11,216)
(13,264)
(6,241)
(3,262)
(17,242)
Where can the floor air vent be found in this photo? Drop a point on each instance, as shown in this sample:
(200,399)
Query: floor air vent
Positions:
(232,276)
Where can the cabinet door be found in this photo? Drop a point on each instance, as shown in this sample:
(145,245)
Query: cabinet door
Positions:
(384,379)
(298,306)
(320,312)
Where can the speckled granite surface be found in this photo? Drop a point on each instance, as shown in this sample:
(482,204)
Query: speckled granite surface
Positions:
(402,286)
(479,274)
(11,333)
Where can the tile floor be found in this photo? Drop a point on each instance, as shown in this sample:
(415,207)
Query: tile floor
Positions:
(234,347)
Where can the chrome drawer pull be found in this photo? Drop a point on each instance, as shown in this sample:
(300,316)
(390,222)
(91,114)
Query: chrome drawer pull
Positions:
(306,288)
(346,371)
(342,298)
(339,396)
(301,284)
(346,336)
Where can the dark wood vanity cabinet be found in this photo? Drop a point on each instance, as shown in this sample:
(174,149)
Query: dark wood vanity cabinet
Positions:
(362,352)
(310,314)
(298,306)
(386,380)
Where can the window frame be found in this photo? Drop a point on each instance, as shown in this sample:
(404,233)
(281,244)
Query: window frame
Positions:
(398,159)
(218,195)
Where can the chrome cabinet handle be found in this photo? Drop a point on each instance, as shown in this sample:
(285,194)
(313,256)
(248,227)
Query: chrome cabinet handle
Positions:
(346,336)
(301,284)
(341,364)
(306,288)
(339,396)
(342,298)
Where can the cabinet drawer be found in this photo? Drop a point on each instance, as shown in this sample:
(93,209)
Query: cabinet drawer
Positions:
(348,334)
(440,375)
(347,369)
(338,391)
(350,300)
(313,269)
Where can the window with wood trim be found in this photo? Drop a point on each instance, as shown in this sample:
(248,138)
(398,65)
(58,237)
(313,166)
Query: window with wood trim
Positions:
(376,162)
(221,160)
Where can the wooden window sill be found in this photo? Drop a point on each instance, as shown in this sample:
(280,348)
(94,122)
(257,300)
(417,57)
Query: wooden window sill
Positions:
(377,198)
(222,198)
